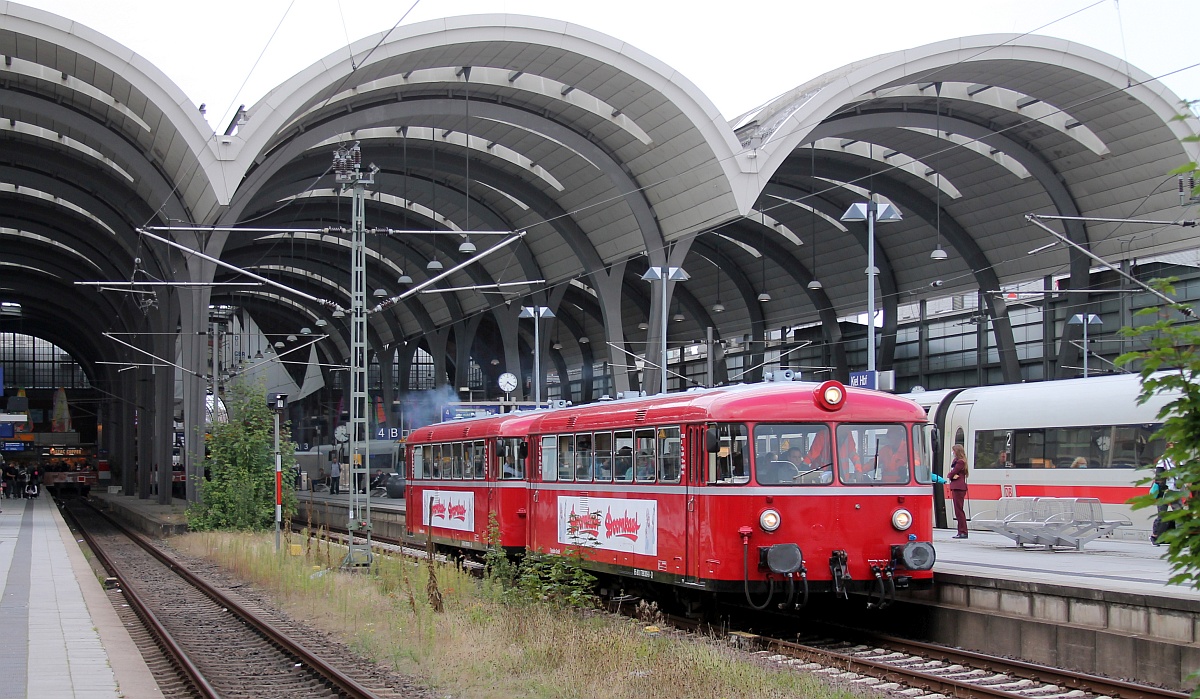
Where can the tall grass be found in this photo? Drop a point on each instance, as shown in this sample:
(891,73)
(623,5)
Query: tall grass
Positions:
(484,644)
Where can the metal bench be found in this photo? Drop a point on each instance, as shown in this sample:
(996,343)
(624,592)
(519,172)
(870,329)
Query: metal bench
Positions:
(1049,522)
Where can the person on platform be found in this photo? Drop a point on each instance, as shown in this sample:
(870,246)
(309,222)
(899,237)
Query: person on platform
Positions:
(957,479)
(335,477)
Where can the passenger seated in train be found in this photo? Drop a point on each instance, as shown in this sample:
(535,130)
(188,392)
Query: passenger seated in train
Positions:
(645,466)
(508,469)
(624,464)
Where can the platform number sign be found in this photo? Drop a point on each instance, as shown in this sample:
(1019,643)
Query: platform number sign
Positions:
(1008,491)
(387,433)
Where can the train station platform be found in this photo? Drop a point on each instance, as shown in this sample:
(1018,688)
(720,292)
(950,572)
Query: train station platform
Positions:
(62,637)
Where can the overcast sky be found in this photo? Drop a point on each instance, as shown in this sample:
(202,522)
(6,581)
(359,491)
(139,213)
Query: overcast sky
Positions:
(739,55)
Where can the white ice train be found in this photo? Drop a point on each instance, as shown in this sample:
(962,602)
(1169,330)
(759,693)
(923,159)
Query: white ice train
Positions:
(1069,438)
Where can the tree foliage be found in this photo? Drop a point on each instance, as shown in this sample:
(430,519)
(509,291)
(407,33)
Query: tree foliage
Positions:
(1171,365)
(239,492)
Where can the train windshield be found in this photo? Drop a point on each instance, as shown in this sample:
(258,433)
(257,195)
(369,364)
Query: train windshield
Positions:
(792,455)
(870,454)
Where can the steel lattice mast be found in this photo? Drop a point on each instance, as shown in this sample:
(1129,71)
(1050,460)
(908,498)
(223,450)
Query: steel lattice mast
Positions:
(347,166)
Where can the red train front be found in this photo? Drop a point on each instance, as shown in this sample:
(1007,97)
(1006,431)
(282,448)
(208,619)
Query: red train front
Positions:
(768,492)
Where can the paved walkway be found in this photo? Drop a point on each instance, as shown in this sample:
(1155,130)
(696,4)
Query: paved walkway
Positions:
(61,637)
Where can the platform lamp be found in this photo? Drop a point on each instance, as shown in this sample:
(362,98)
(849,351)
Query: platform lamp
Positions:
(537,313)
(870,212)
(1085,319)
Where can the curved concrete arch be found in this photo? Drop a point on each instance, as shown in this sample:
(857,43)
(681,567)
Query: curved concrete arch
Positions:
(1052,184)
(402,111)
(848,85)
(976,259)
(279,106)
(888,286)
(172,122)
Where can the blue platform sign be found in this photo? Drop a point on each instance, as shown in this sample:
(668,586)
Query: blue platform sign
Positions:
(863,379)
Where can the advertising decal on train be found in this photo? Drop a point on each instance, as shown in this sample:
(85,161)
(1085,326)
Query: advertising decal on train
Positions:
(630,526)
(449,509)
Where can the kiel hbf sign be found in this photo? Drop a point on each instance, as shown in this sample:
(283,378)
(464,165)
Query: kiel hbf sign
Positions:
(863,379)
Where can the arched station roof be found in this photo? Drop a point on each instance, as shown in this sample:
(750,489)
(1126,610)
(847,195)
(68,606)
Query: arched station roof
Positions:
(609,159)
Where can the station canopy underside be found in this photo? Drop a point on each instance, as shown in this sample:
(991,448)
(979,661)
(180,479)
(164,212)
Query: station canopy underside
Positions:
(610,161)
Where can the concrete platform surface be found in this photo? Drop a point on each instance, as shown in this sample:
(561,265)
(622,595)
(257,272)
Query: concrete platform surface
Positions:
(62,637)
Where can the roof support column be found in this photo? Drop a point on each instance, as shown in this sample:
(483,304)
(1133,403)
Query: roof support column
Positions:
(608,292)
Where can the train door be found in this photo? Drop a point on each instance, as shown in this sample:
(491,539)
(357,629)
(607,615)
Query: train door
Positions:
(695,459)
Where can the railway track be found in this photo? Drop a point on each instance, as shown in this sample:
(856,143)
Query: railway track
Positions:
(207,644)
(922,670)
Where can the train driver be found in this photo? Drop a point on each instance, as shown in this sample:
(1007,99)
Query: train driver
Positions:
(817,466)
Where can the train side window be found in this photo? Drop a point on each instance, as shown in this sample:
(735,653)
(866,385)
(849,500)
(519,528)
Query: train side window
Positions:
(668,448)
(623,456)
(435,464)
(645,462)
(583,457)
(729,465)
(418,462)
(477,460)
(566,457)
(602,442)
(549,459)
(456,466)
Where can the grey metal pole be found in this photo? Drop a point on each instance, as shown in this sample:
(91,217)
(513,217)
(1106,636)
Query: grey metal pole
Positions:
(663,356)
(1085,344)
(708,343)
(871,284)
(537,357)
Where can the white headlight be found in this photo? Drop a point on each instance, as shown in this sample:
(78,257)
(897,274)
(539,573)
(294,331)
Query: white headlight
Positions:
(769,520)
(902,519)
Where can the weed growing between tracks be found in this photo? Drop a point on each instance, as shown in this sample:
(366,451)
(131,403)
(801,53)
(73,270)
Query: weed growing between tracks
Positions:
(487,642)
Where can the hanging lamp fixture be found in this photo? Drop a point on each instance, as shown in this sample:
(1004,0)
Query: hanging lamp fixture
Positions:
(815,284)
(764,296)
(938,253)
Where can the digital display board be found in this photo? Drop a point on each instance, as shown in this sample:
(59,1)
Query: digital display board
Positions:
(12,446)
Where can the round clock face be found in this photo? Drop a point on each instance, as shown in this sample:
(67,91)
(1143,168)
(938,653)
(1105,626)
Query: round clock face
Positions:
(507,382)
(341,434)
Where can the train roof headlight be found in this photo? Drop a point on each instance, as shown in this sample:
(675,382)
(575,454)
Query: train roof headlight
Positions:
(830,396)
(902,519)
(769,520)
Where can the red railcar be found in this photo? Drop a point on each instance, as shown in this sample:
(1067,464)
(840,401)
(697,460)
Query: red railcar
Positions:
(768,491)
(461,473)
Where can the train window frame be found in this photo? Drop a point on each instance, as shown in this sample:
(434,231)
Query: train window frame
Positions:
(549,458)
(477,461)
(584,458)
(868,469)
(602,453)
(418,462)
(922,441)
(456,461)
(566,458)
(623,462)
(773,440)
(670,464)
(645,455)
(728,465)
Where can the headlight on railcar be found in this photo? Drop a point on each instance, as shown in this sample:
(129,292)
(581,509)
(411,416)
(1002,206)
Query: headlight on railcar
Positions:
(902,519)
(769,520)
(830,396)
